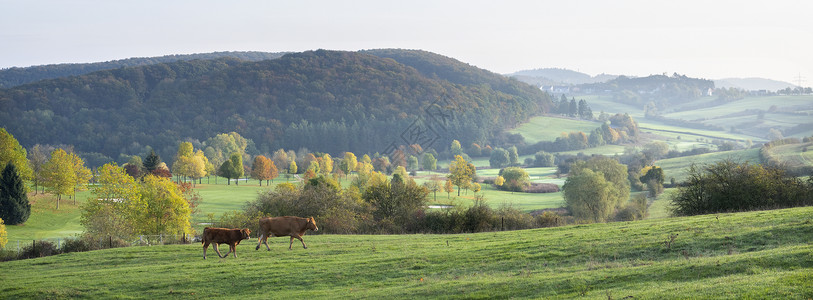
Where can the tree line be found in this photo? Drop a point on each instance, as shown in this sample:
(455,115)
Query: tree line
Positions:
(327,101)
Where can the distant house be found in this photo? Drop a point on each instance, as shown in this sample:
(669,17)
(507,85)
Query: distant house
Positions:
(710,92)
(556,89)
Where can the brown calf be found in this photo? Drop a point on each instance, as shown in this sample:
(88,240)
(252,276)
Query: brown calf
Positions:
(295,227)
(217,236)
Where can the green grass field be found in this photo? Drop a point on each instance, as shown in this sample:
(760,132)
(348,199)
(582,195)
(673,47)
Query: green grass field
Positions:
(543,128)
(46,222)
(758,255)
(794,155)
(678,167)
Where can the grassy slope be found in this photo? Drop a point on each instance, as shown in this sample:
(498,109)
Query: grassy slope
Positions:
(46,221)
(764,254)
(794,155)
(543,128)
(678,167)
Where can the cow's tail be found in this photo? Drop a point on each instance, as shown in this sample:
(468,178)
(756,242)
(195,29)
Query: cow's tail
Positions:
(203,237)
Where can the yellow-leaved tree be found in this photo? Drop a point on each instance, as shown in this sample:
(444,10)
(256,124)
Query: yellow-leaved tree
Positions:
(64,173)
(3,235)
(124,207)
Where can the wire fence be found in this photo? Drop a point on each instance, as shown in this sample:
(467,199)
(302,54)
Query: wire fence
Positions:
(105,242)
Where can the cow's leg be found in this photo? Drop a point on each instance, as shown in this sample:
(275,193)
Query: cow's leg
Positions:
(291,243)
(214,245)
(301,240)
(205,246)
(227,253)
(259,242)
(233,250)
(265,241)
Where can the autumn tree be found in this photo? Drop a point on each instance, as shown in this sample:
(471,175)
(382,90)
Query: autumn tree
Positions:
(430,163)
(11,151)
(165,211)
(595,188)
(433,186)
(14,206)
(499,181)
(326,163)
(81,173)
(37,157)
(113,208)
(499,158)
(60,177)
(447,187)
(587,196)
(412,163)
(455,149)
(3,235)
(263,168)
(653,177)
(292,168)
(281,159)
(461,172)
(515,179)
(183,164)
(348,163)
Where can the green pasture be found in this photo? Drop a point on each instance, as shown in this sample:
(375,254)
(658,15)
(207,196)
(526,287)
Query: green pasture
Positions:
(544,128)
(47,222)
(752,255)
(678,167)
(798,103)
(794,155)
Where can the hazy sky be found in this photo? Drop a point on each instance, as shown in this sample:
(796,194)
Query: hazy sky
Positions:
(707,39)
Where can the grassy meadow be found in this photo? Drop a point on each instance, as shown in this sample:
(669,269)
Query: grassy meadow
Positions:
(762,255)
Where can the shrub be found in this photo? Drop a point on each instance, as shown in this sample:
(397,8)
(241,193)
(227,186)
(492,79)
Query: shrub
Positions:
(536,187)
(510,218)
(727,186)
(38,249)
(549,219)
(516,179)
(75,245)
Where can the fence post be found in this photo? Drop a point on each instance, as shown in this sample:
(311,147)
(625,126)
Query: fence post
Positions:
(161,238)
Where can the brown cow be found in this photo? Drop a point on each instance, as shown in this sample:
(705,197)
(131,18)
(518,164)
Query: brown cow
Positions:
(295,227)
(216,236)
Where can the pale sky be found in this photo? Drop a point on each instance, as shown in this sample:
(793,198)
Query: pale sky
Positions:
(706,39)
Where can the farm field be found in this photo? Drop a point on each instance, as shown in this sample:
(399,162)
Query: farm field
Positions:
(678,167)
(794,155)
(544,128)
(761,255)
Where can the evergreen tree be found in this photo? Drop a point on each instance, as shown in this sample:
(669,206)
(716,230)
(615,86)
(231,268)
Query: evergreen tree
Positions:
(151,162)
(14,205)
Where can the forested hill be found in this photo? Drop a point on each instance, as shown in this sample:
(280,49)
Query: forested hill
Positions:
(12,77)
(326,101)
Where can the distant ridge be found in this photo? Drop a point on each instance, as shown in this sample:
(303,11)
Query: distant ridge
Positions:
(12,77)
(557,76)
(752,84)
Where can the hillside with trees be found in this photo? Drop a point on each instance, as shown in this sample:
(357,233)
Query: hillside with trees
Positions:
(328,101)
(12,77)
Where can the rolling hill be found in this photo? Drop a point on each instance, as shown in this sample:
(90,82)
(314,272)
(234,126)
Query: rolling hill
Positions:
(328,101)
(760,255)
(12,77)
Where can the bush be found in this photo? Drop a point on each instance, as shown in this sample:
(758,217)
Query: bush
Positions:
(516,179)
(478,218)
(728,186)
(549,219)
(536,187)
(75,245)
(38,249)
(510,218)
